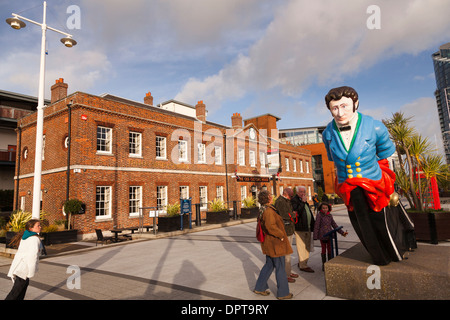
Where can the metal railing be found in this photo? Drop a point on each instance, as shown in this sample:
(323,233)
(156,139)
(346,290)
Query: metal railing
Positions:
(195,215)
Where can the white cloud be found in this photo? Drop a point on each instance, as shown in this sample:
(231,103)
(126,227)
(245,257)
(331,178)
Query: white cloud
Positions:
(321,42)
(425,120)
(81,69)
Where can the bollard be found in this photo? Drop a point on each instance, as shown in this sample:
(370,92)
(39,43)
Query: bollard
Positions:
(198,218)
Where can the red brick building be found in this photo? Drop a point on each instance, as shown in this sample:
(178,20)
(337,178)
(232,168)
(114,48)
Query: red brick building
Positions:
(125,155)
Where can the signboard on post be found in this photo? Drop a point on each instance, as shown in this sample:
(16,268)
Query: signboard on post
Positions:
(185,208)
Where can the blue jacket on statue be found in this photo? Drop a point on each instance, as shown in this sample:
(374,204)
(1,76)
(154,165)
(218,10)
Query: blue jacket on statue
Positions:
(370,144)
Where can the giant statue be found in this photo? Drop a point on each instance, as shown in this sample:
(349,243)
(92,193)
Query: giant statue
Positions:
(359,147)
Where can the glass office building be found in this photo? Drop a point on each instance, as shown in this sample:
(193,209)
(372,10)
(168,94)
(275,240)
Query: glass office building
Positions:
(305,137)
(301,136)
(441,61)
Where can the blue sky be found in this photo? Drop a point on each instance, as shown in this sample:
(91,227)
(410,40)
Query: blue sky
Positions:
(247,56)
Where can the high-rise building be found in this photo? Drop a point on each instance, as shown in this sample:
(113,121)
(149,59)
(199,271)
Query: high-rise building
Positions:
(441,61)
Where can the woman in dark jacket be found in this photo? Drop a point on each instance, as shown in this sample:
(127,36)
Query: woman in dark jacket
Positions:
(275,247)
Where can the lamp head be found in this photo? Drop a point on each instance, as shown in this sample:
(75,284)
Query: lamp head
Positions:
(15,23)
(68,42)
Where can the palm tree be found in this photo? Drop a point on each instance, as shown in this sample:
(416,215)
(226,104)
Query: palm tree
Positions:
(401,133)
(399,130)
(403,183)
(433,167)
(419,149)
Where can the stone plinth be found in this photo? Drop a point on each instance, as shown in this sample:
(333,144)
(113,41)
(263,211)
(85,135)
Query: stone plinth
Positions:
(425,275)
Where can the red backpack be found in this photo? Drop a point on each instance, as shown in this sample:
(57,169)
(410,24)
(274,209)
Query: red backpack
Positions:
(260,234)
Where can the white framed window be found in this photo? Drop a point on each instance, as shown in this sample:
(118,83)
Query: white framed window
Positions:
(161,147)
(309,193)
(286,162)
(262,160)
(218,155)
(241,156)
(294,165)
(252,158)
(135,200)
(184,192)
(103,202)
(301,166)
(219,192)
(135,144)
(22,203)
(161,198)
(281,189)
(203,195)
(307,166)
(201,153)
(182,150)
(243,192)
(104,139)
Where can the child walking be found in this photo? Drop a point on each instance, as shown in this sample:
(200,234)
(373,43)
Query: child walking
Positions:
(324,224)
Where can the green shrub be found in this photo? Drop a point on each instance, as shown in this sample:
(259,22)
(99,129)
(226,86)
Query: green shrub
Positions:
(18,221)
(249,202)
(50,228)
(173,210)
(217,205)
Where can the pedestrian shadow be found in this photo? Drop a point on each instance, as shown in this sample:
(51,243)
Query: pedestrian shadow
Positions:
(243,252)
(101,260)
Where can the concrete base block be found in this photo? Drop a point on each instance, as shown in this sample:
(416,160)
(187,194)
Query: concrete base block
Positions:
(425,275)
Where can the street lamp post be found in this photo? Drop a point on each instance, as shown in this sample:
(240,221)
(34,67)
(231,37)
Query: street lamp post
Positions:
(17,23)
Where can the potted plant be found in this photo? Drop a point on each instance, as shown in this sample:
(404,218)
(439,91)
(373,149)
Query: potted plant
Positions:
(172,221)
(431,225)
(72,207)
(17,223)
(218,212)
(425,170)
(55,233)
(2,230)
(250,208)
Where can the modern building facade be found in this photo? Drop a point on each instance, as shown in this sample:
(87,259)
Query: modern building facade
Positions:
(310,138)
(118,156)
(13,106)
(441,62)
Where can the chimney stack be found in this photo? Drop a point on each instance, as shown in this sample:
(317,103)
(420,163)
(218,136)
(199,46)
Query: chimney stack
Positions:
(148,99)
(236,121)
(200,111)
(59,90)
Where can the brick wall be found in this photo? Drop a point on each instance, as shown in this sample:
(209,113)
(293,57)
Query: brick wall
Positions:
(119,170)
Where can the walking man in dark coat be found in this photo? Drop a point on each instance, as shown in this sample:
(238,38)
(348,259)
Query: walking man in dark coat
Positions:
(303,228)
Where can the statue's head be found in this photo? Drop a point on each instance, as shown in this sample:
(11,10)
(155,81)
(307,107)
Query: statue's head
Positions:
(342,103)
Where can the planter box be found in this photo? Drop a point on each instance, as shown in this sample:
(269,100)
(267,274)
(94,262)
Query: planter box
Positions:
(217,217)
(49,238)
(248,213)
(166,224)
(8,238)
(64,236)
(431,226)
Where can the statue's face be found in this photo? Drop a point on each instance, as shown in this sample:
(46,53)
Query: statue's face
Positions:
(342,110)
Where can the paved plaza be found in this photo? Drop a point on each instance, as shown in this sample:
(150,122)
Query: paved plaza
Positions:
(220,263)
(213,264)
